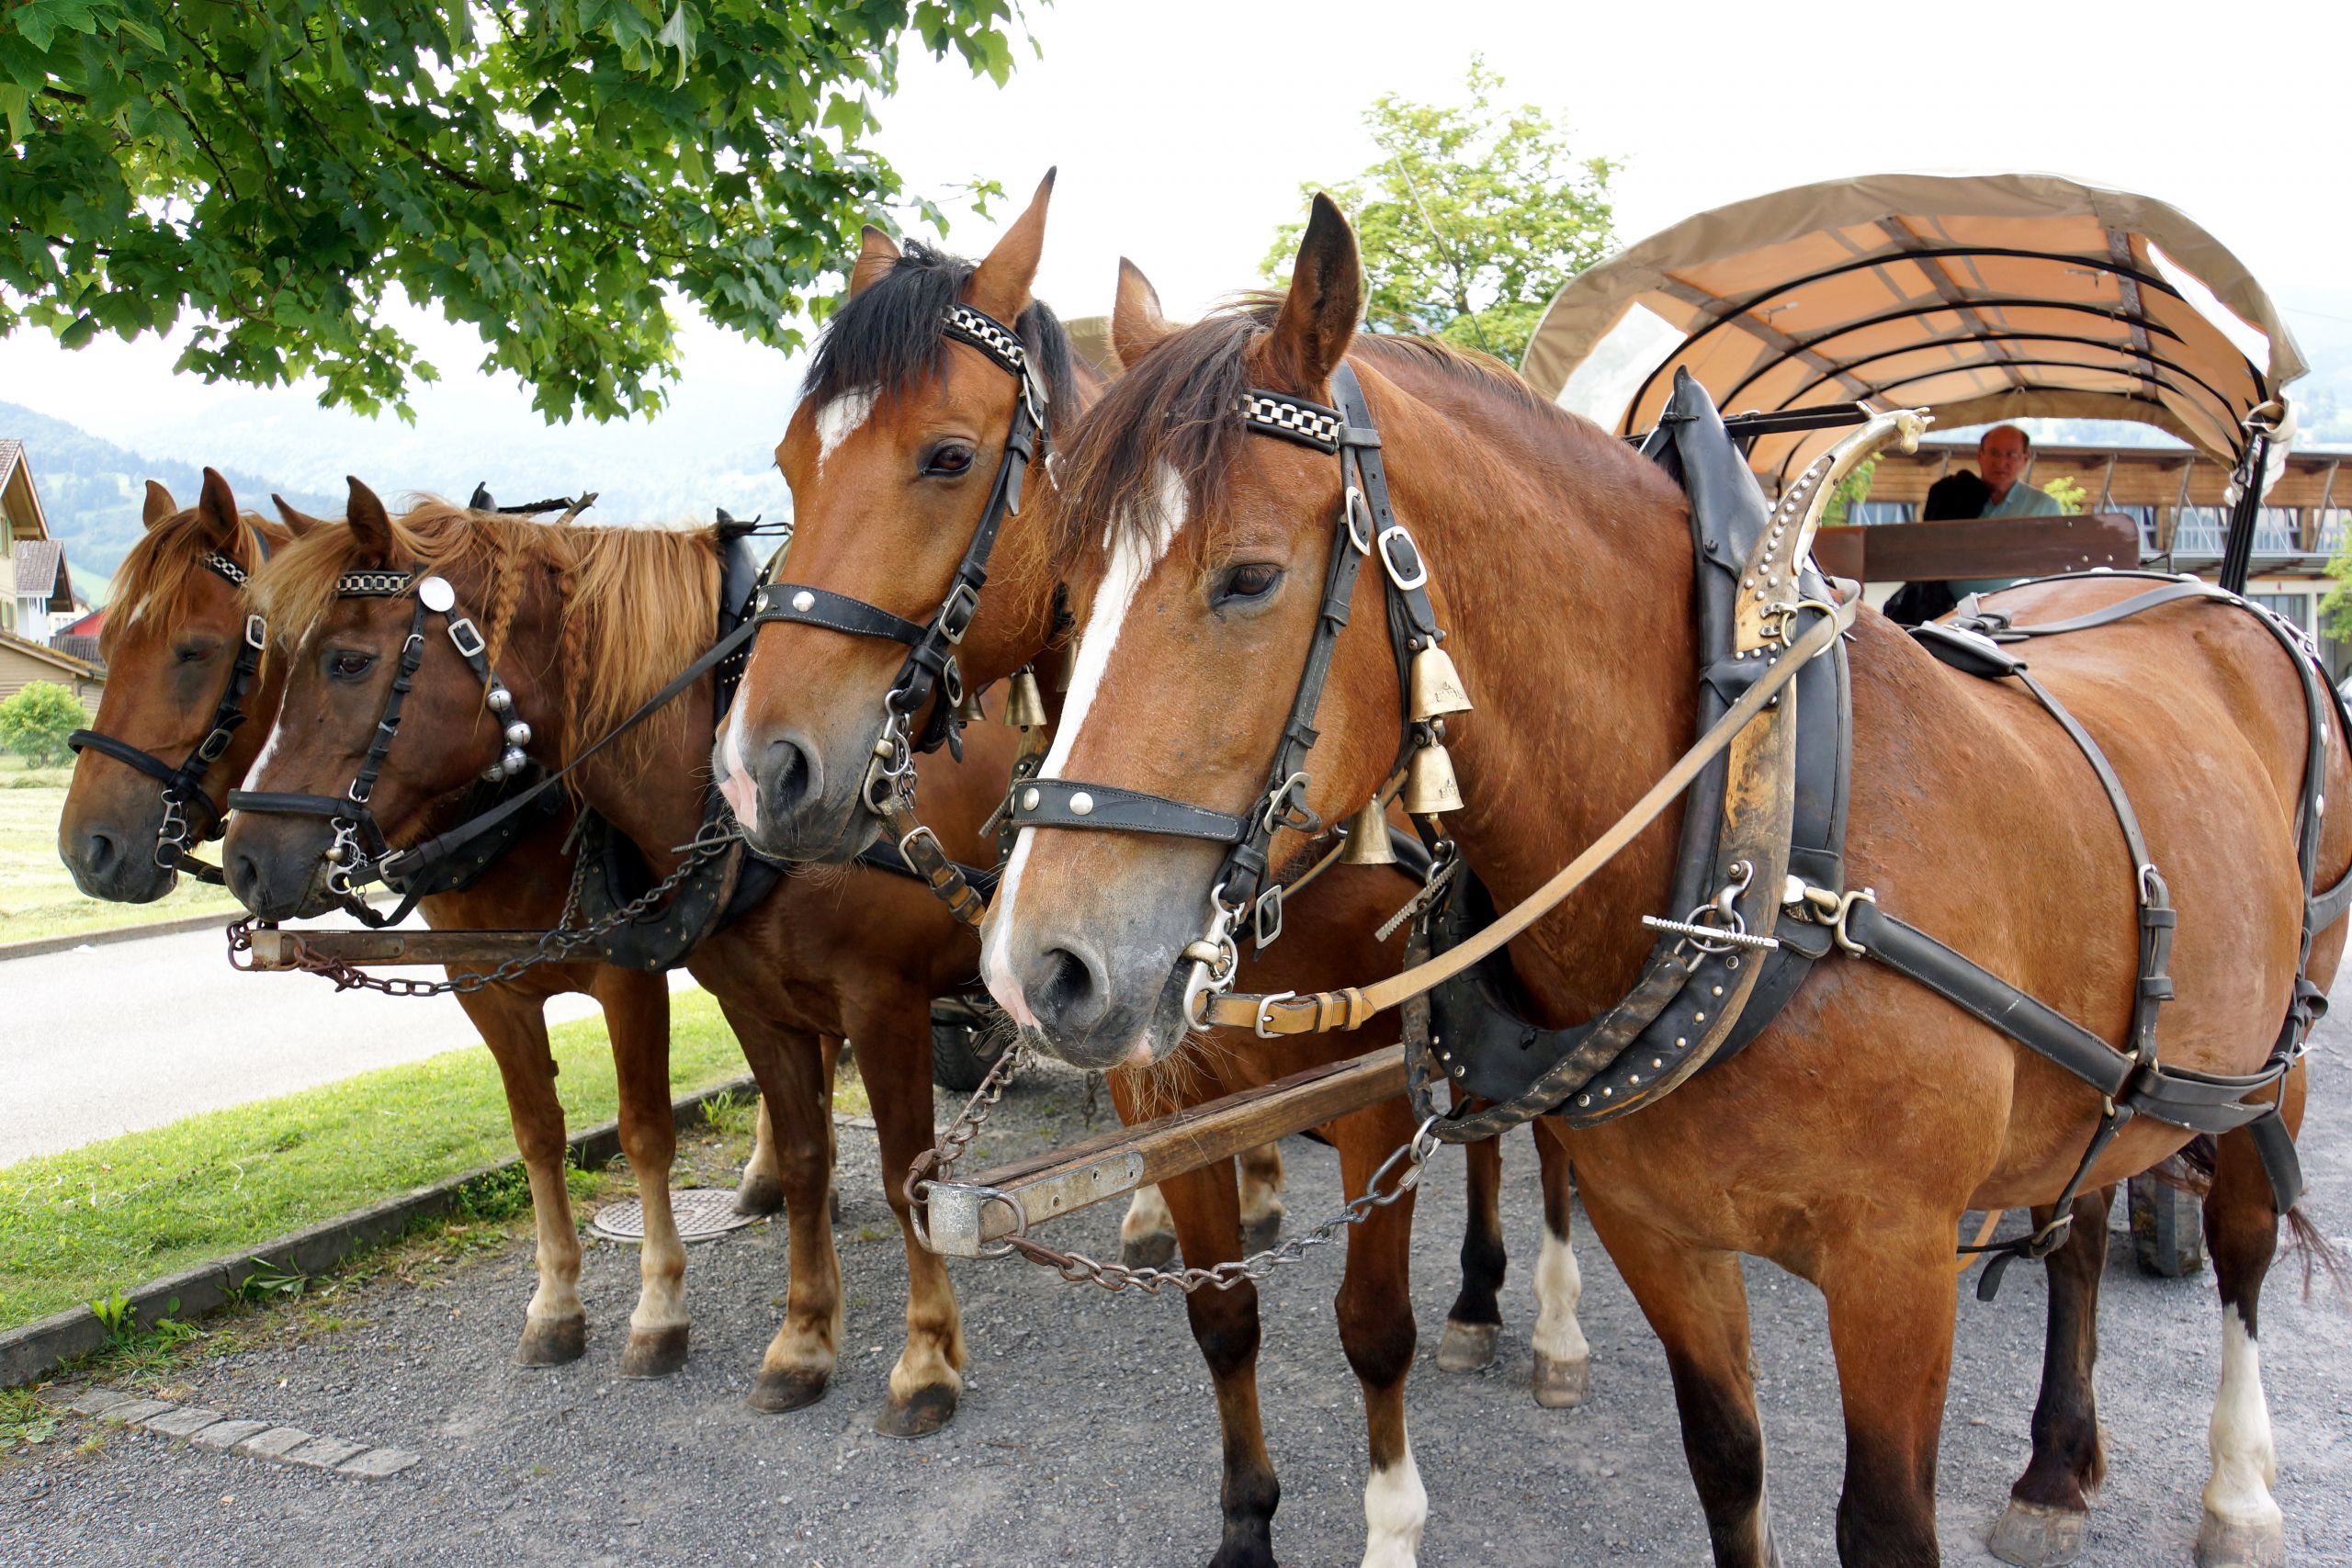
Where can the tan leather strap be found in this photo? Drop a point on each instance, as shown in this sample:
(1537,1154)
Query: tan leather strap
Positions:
(1322,1011)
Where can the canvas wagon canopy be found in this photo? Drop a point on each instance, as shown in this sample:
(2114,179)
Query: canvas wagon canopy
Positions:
(1980,298)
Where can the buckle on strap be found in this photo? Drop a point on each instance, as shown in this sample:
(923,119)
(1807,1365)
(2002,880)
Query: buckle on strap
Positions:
(463,628)
(955,616)
(1826,907)
(256,633)
(1415,572)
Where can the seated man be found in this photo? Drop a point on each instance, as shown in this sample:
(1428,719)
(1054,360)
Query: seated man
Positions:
(2002,452)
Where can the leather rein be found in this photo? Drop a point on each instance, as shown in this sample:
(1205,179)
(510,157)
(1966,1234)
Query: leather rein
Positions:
(175,838)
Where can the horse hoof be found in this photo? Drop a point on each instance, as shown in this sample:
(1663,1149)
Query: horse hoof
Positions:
(552,1342)
(1157,1250)
(2035,1535)
(654,1353)
(1562,1385)
(2222,1545)
(1467,1347)
(759,1193)
(777,1391)
(925,1412)
(1262,1233)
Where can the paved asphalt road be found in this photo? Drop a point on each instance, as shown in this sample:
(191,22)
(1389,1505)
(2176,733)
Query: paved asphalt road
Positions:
(98,1041)
(1087,1433)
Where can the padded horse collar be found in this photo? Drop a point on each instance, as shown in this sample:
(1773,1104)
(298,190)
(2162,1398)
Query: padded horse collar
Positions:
(930,667)
(175,835)
(1365,526)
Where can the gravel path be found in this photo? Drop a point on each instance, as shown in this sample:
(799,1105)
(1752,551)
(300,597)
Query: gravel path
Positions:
(1087,1433)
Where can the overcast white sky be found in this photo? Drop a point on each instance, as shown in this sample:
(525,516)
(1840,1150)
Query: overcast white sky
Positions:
(1182,132)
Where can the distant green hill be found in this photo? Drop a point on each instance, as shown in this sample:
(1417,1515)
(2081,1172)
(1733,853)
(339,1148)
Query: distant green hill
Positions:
(92,490)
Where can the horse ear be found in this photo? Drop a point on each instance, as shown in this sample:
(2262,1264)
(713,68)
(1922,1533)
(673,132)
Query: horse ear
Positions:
(218,507)
(368,519)
(297,523)
(1319,315)
(877,255)
(1002,282)
(1135,322)
(160,505)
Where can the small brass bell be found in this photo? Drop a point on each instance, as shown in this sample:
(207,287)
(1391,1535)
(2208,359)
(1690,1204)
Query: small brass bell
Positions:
(1430,786)
(1368,837)
(1026,709)
(970,711)
(1437,689)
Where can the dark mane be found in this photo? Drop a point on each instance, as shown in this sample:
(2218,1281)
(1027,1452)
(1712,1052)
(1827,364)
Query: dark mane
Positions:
(888,337)
(1177,404)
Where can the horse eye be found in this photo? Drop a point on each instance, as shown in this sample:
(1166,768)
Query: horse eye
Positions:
(194,653)
(949,459)
(1251,580)
(348,664)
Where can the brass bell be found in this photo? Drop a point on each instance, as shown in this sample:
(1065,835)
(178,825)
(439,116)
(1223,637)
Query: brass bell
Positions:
(1429,786)
(1437,689)
(970,711)
(1368,837)
(1026,709)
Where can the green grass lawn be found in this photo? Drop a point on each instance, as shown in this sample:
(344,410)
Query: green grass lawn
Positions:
(37,898)
(109,1217)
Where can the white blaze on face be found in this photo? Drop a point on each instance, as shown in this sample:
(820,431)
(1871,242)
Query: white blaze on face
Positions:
(735,786)
(2244,1466)
(1395,1507)
(268,750)
(1131,562)
(837,419)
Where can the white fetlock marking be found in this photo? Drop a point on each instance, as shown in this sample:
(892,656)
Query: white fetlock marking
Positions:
(1559,1285)
(1395,1508)
(1147,1215)
(2245,1466)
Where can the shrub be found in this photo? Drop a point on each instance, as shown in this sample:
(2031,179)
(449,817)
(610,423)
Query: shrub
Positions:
(36,721)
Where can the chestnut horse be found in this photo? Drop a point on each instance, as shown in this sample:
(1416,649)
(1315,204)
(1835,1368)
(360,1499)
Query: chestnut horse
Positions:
(582,625)
(173,635)
(892,455)
(1847,1141)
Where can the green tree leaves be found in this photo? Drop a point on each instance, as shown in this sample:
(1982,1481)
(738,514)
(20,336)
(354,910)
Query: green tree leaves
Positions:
(1473,219)
(35,722)
(546,171)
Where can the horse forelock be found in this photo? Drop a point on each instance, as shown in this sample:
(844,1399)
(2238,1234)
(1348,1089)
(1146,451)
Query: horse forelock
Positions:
(158,579)
(885,341)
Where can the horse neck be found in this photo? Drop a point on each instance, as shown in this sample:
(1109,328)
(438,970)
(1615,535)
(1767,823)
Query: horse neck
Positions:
(1564,565)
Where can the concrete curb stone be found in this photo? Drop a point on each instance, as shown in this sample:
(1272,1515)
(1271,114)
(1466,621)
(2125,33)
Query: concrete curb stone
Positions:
(378,1464)
(227,1435)
(324,1453)
(275,1443)
(186,1422)
(138,1412)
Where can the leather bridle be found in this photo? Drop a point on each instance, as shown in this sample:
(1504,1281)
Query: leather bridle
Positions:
(360,849)
(175,835)
(930,667)
(1366,526)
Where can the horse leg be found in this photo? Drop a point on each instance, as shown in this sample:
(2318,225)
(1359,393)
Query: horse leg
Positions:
(1891,1304)
(2242,1527)
(1148,1235)
(1697,1302)
(1563,1358)
(894,1061)
(1376,1329)
(1262,1204)
(636,1017)
(554,1327)
(761,1191)
(1475,1320)
(797,1093)
(2050,1506)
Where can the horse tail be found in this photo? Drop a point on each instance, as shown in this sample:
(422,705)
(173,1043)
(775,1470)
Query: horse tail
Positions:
(2305,1238)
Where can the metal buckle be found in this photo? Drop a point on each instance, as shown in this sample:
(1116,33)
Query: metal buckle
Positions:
(1388,558)
(955,615)
(1352,504)
(1213,958)
(1266,918)
(209,748)
(256,633)
(465,624)
(1278,801)
(1265,1013)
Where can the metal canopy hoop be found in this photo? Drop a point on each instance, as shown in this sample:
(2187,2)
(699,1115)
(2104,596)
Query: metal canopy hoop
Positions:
(1980,298)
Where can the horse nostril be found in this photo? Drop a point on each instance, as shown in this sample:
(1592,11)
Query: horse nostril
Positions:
(243,874)
(794,778)
(99,851)
(1069,993)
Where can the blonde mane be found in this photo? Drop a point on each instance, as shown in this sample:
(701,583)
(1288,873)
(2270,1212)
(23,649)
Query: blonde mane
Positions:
(638,604)
(157,580)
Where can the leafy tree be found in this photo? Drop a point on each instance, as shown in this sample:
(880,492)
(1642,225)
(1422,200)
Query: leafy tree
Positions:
(1473,219)
(2068,492)
(1855,486)
(547,171)
(36,721)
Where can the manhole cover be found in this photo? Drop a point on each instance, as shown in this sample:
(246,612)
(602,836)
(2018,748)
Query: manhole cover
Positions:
(702,1212)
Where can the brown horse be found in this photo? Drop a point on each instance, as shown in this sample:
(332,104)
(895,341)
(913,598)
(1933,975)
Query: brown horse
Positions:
(175,625)
(1845,1142)
(891,456)
(581,624)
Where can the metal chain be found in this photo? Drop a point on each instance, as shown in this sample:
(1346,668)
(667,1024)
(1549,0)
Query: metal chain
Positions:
(1078,1269)
(936,1163)
(558,945)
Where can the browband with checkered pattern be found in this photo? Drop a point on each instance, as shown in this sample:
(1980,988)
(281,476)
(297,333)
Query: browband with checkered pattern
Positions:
(989,335)
(1292,419)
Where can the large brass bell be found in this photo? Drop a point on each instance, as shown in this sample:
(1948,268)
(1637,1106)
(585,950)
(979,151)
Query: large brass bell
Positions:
(1368,837)
(1429,786)
(1026,709)
(1437,687)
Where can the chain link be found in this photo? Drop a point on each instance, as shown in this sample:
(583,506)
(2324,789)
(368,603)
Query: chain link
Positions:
(555,946)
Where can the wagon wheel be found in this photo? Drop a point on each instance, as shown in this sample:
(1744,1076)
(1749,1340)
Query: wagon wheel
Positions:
(962,1050)
(2167,1228)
